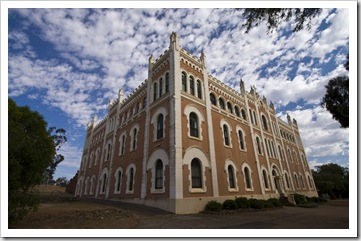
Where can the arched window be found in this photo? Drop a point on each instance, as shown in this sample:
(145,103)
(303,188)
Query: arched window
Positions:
(184,81)
(309,181)
(302,183)
(280,151)
(109,148)
(119,178)
(221,103)
(236,111)
(193,124)
(104,182)
(265,141)
(296,179)
(264,121)
(231,176)
(287,180)
(250,114)
(295,155)
(199,89)
(160,126)
(196,173)
(159,174)
(213,99)
(144,102)
(226,135)
(166,82)
(289,155)
(259,145)
(123,145)
(134,138)
(229,107)
(243,112)
(247,177)
(131,179)
(160,87)
(265,178)
(155,90)
(191,85)
(241,139)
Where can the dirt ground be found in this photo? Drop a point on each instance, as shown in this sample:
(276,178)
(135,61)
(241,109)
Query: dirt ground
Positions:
(58,212)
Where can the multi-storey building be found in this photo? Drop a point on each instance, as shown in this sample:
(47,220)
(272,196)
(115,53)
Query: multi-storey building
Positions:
(183,138)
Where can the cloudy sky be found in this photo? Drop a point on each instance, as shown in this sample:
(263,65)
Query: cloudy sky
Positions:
(68,63)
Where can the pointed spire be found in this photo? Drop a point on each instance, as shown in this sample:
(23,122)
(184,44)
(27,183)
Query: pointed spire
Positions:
(121,95)
(241,87)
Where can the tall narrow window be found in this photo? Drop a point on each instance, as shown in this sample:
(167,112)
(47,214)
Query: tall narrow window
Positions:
(191,85)
(160,126)
(119,178)
(213,99)
(226,135)
(160,87)
(196,171)
(229,107)
(134,138)
(302,183)
(109,151)
(265,141)
(243,112)
(155,90)
(250,114)
(123,144)
(247,177)
(289,155)
(265,178)
(231,177)
(255,118)
(296,179)
(287,181)
(193,124)
(166,82)
(270,148)
(280,151)
(241,139)
(236,111)
(264,121)
(274,150)
(184,81)
(159,175)
(144,102)
(131,179)
(104,182)
(259,146)
(309,181)
(199,89)
(221,103)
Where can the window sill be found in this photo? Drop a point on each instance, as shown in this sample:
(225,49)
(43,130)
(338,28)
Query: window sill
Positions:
(198,190)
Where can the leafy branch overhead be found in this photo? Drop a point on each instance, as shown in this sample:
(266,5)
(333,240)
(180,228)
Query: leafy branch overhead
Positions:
(275,16)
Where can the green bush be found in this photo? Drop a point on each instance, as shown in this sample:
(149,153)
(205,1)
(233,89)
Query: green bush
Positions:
(299,199)
(229,204)
(213,206)
(275,202)
(309,205)
(316,199)
(242,202)
(256,204)
(267,204)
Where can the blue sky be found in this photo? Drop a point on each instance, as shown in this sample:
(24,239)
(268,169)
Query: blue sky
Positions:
(68,63)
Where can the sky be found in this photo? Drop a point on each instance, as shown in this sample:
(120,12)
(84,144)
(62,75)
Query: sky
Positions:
(68,63)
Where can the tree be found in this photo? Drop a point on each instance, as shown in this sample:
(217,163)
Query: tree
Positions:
(31,151)
(332,179)
(275,16)
(336,99)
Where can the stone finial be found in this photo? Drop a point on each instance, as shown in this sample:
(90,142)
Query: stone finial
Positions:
(174,41)
(120,95)
(289,119)
(203,58)
(294,122)
(271,105)
(241,87)
(94,119)
(265,100)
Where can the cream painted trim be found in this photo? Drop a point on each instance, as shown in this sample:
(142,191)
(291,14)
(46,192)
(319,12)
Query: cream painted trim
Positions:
(116,180)
(224,122)
(187,111)
(132,165)
(235,169)
(250,177)
(154,121)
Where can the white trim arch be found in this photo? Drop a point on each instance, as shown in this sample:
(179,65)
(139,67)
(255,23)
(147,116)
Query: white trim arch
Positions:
(135,126)
(103,183)
(277,184)
(121,143)
(118,180)
(189,109)
(222,123)
(309,181)
(132,165)
(196,153)
(92,185)
(239,128)
(154,121)
(263,168)
(235,172)
(244,165)
(87,185)
(159,154)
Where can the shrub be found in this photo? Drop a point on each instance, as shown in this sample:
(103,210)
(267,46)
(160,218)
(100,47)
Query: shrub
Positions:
(242,202)
(308,205)
(213,206)
(256,204)
(275,202)
(229,204)
(267,204)
(299,199)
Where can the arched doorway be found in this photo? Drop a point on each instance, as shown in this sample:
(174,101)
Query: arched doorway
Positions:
(277,181)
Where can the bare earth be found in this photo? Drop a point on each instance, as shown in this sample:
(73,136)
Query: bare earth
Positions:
(119,215)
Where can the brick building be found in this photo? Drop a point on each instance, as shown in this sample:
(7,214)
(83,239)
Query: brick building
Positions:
(183,138)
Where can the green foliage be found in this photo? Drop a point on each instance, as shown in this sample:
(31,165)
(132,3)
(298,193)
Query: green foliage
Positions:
(308,205)
(213,206)
(275,202)
(332,179)
(273,17)
(31,150)
(256,204)
(230,204)
(300,199)
(336,99)
(242,202)
(267,204)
